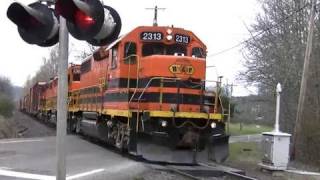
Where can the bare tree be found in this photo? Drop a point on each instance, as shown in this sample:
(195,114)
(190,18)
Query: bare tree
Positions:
(277,55)
(86,52)
(6,97)
(47,70)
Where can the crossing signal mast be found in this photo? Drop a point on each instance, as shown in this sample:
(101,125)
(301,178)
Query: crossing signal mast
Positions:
(91,21)
(87,20)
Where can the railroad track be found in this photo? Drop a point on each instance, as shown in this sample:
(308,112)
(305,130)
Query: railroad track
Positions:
(205,172)
(200,171)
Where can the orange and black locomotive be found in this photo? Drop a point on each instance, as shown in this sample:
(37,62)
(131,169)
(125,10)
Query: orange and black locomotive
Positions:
(144,93)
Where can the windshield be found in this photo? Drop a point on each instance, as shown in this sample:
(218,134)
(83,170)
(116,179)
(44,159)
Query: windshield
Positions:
(162,49)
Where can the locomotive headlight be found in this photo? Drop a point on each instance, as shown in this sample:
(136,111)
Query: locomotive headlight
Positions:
(169,37)
(164,123)
(169,31)
(213,125)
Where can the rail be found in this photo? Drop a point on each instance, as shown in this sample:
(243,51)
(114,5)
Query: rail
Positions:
(231,173)
(203,171)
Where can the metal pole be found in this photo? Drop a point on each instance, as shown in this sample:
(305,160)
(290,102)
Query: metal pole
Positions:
(62,100)
(276,124)
(155,20)
(303,85)
(215,109)
(229,109)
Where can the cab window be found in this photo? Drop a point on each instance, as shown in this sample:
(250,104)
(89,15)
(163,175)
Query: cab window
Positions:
(85,66)
(162,49)
(130,50)
(76,77)
(114,59)
(198,52)
(152,49)
(176,49)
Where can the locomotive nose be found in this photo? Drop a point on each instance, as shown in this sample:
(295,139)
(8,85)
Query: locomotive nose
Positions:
(172,66)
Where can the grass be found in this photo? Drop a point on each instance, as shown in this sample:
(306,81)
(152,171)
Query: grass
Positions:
(245,152)
(234,129)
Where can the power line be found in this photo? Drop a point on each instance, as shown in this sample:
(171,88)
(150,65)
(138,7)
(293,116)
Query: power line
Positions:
(262,32)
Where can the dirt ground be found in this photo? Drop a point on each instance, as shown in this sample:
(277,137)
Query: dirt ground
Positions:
(22,125)
(246,156)
(7,128)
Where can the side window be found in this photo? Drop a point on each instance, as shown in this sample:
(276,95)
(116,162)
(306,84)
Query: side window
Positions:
(114,59)
(85,66)
(198,52)
(76,77)
(68,78)
(130,50)
(100,54)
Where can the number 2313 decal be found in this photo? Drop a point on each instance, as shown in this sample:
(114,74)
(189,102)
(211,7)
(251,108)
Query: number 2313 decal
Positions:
(151,36)
(182,38)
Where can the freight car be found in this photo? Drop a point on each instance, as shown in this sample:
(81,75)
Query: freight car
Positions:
(145,94)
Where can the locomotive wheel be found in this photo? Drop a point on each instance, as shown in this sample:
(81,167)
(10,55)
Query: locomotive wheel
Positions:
(47,118)
(122,139)
(78,126)
(73,125)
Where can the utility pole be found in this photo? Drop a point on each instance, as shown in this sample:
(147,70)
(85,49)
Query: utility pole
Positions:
(229,108)
(218,88)
(155,18)
(304,79)
(62,100)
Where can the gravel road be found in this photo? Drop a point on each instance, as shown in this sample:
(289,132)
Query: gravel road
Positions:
(28,127)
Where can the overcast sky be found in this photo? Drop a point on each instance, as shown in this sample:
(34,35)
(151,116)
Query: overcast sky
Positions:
(219,24)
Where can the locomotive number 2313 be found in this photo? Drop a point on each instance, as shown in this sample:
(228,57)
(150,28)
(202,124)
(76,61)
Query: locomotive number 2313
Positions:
(182,38)
(151,36)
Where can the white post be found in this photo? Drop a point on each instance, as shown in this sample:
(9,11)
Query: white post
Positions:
(62,100)
(276,125)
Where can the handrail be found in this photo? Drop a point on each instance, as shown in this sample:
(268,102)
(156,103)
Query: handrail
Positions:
(217,96)
(142,93)
(129,69)
(128,83)
(137,79)
(149,82)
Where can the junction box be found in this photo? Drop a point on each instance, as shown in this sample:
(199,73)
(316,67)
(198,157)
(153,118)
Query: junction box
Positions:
(275,148)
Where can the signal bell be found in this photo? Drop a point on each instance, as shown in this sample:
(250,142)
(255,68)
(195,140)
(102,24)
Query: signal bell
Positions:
(36,23)
(90,20)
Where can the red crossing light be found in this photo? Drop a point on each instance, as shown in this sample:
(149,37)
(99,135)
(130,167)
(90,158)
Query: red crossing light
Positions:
(83,21)
(90,20)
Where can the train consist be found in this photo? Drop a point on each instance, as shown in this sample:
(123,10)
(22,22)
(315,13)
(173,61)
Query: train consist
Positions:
(145,94)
